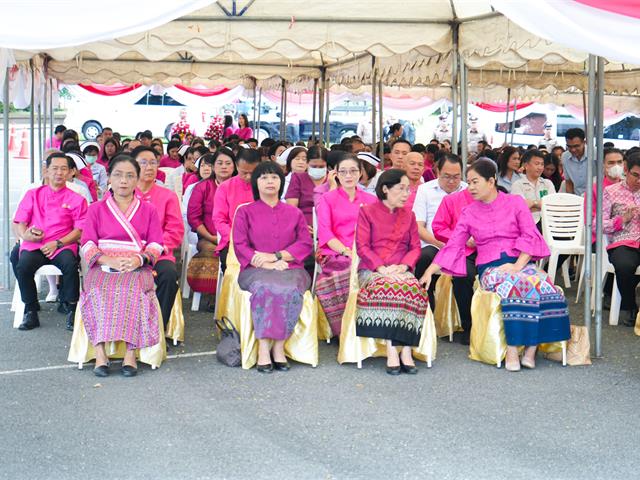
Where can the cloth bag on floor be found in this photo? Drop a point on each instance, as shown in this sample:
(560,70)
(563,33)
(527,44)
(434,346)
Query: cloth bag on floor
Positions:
(228,350)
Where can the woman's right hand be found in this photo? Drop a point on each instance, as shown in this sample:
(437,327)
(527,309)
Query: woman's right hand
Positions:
(425,280)
(331,179)
(114,263)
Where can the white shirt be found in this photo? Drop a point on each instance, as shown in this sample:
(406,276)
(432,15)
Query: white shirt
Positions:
(428,200)
(533,193)
(371,188)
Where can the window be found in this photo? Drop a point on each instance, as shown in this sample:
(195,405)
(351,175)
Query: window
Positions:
(166,100)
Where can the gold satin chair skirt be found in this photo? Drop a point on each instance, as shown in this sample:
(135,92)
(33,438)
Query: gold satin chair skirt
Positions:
(324,329)
(82,351)
(235,304)
(488,342)
(175,327)
(446,314)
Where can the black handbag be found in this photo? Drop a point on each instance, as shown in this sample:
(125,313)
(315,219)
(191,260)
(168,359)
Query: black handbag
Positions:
(228,350)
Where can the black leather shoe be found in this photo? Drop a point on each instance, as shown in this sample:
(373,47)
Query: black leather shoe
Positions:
(129,371)
(465,338)
(268,368)
(630,320)
(30,320)
(410,369)
(63,307)
(101,371)
(70,320)
(281,366)
(393,370)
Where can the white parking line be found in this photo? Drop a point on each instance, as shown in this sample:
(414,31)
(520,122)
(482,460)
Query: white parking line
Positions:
(75,365)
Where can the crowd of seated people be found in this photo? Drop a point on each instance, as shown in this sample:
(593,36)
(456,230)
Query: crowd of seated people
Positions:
(405,213)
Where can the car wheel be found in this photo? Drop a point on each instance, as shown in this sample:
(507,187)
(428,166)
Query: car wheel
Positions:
(167,131)
(91,129)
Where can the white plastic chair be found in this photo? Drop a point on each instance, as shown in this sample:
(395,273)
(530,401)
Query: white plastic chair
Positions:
(16,303)
(563,229)
(317,269)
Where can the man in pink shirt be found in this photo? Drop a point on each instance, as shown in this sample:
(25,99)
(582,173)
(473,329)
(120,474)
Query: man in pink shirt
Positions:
(168,207)
(414,166)
(49,220)
(230,195)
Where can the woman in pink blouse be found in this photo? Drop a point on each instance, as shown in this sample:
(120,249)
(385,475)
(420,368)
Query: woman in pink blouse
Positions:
(507,241)
(337,213)
(271,241)
(244,131)
(391,302)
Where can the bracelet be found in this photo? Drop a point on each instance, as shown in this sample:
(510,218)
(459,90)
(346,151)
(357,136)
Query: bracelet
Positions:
(59,244)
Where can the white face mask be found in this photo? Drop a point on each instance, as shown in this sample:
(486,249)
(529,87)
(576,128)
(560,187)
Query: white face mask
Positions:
(616,171)
(91,159)
(317,173)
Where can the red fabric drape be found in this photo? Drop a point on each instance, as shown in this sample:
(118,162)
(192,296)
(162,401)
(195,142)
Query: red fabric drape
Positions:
(203,92)
(628,8)
(110,90)
(501,107)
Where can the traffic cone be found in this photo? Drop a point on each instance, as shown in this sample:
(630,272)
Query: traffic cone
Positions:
(12,142)
(24,148)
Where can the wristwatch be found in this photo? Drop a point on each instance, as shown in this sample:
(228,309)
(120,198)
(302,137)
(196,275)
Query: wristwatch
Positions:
(59,244)
(278,256)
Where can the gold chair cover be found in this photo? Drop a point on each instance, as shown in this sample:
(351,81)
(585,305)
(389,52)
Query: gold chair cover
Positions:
(82,351)
(446,314)
(636,329)
(324,329)
(175,327)
(488,341)
(354,349)
(302,345)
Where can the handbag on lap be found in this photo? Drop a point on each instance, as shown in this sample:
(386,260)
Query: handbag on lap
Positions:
(228,350)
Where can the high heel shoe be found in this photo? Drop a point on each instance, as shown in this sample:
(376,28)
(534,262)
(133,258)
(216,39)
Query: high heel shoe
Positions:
(513,366)
(267,368)
(410,369)
(393,370)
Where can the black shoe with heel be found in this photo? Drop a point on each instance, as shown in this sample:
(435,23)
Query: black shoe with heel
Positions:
(30,320)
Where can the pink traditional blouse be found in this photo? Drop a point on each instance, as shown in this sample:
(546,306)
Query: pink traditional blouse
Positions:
(200,208)
(447,215)
(615,199)
(109,231)
(55,212)
(170,215)
(259,227)
(502,226)
(189,178)
(386,237)
(605,183)
(168,162)
(244,133)
(301,188)
(337,217)
(230,195)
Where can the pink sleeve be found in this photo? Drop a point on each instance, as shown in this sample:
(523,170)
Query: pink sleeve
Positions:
(89,238)
(25,208)
(441,227)
(241,241)
(451,257)
(610,224)
(411,257)
(294,190)
(80,215)
(302,245)
(154,238)
(363,241)
(173,227)
(324,213)
(195,208)
(221,213)
(529,240)
(88,179)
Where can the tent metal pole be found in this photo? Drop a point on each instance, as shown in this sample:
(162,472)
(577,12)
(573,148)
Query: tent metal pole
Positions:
(464,107)
(321,107)
(6,247)
(374,84)
(51,107)
(599,187)
(32,139)
(513,119)
(327,124)
(281,136)
(380,127)
(454,91)
(588,275)
(44,117)
(257,132)
(313,114)
(40,142)
(254,106)
(506,121)
(284,119)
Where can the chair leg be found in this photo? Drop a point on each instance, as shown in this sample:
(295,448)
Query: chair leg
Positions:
(19,313)
(195,303)
(80,365)
(580,280)
(328,340)
(429,361)
(614,311)
(553,266)
(359,364)
(564,354)
(565,274)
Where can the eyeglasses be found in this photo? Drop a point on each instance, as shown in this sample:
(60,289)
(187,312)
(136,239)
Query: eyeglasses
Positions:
(152,163)
(129,177)
(349,173)
(401,188)
(451,178)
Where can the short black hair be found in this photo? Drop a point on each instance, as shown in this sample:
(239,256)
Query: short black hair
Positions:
(173,144)
(485,168)
(335,156)
(146,134)
(389,178)
(60,129)
(251,140)
(574,133)
(138,150)
(274,148)
(608,151)
(419,147)
(70,146)
(317,152)
(533,153)
(70,163)
(263,169)
(402,140)
(123,158)
(433,148)
(267,142)
(451,158)
(633,160)
(249,155)
(293,154)
(90,148)
(608,145)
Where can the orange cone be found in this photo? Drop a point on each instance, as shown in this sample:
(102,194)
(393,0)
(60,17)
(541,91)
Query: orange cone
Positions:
(12,142)
(24,148)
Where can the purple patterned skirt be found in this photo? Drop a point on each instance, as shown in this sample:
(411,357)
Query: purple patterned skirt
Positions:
(276,299)
(332,288)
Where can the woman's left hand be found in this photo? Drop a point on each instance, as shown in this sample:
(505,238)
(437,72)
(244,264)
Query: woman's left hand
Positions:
(510,268)
(129,264)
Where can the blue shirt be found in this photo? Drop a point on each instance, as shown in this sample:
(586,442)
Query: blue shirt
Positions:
(575,170)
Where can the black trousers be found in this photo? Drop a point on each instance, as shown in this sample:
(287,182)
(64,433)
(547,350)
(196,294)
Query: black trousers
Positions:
(625,261)
(427,254)
(166,287)
(463,292)
(223,259)
(27,265)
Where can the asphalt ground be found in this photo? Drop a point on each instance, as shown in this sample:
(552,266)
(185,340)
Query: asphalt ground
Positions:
(195,418)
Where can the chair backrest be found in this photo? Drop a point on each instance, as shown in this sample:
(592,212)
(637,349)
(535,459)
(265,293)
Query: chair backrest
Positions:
(314,224)
(563,219)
